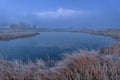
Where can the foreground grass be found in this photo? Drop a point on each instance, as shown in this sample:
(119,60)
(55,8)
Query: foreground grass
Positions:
(82,65)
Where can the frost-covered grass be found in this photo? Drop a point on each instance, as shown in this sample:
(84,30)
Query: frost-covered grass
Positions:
(82,65)
(114,49)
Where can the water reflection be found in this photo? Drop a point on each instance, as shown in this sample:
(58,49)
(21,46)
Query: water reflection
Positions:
(52,45)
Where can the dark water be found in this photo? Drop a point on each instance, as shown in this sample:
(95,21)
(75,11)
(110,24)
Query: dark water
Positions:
(51,45)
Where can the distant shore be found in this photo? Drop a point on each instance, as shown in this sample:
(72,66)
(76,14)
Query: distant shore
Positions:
(114,33)
(15,35)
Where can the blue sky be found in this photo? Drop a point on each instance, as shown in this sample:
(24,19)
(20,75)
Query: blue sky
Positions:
(62,13)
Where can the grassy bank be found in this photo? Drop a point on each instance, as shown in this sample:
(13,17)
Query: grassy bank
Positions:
(15,35)
(82,65)
(115,33)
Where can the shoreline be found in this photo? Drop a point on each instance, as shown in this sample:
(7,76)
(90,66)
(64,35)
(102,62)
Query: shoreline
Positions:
(82,65)
(114,48)
(16,35)
(110,33)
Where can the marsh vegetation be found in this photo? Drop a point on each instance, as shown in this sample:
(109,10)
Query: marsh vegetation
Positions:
(103,64)
(82,65)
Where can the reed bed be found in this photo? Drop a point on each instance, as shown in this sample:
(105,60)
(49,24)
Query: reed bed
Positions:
(81,65)
(114,49)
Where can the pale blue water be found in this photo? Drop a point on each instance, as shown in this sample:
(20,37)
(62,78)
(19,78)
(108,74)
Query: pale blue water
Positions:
(52,45)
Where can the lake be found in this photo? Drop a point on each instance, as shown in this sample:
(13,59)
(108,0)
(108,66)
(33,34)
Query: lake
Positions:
(51,45)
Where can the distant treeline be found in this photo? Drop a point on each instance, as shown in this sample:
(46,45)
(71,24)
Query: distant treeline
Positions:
(21,26)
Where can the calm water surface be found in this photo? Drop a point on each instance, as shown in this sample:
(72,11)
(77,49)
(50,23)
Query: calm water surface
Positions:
(51,45)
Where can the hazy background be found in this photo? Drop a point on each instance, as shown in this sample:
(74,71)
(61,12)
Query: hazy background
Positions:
(61,13)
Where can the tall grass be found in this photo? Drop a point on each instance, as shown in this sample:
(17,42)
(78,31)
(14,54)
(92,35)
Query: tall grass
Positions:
(82,65)
(114,49)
